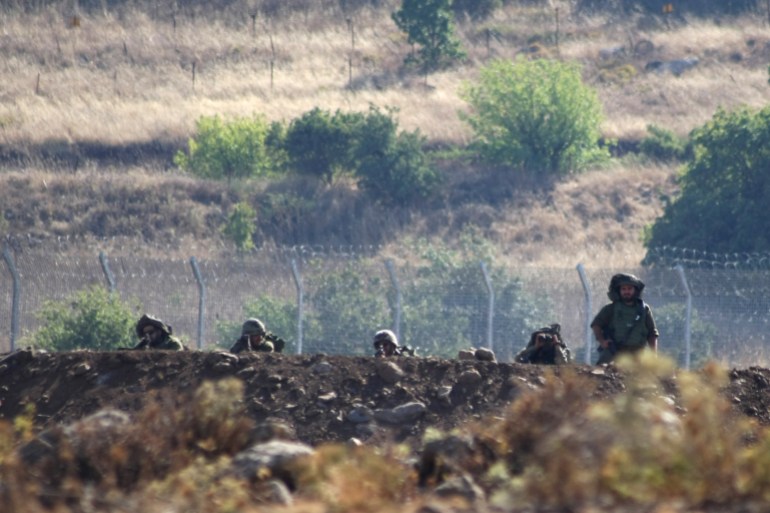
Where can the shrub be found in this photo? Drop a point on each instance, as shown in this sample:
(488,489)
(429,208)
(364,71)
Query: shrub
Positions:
(535,115)
(320,143)
(234,149)
(92,318)
(401,174)
(240,226)
(664,145)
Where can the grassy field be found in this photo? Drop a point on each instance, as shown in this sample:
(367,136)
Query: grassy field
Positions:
(125,77)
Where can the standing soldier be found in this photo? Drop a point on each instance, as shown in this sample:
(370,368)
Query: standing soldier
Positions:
(625,325)
(155,334)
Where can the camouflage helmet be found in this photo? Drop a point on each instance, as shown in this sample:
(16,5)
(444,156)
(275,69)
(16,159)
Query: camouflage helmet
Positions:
(253,327)
(385,336)
(149,320)
(624,279)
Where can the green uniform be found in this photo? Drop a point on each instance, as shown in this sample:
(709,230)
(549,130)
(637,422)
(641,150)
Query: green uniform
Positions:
(167,343)
(628,326)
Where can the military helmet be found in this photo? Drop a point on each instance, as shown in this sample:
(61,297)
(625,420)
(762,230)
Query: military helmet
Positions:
(253,327)
(385,336)
(624,279)
(149,320)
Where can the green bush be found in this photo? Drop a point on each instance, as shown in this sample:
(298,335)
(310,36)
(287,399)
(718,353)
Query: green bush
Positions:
(535,115)
(240,226)
(723,203)
(241,148)
(320,143)
(664,145)
(92,318)
(400,174)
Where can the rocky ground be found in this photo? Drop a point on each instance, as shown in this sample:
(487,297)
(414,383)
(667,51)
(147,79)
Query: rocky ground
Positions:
(322,397)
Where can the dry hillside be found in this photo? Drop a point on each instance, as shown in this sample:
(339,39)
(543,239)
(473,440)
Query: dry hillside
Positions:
(92,113)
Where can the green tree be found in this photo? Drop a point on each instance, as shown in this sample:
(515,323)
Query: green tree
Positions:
(231,149)
(725,188)
(240,226)
(429,24)
(535,115)
(92,318)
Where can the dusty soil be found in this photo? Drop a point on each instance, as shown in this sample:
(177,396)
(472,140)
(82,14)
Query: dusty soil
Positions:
(317,395)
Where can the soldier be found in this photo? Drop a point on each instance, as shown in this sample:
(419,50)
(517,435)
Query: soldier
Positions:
(386,344)
(254,337)
(155,334)
(625,325)
(545,347)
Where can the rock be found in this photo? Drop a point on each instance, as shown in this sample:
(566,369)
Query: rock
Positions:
(469,378)
(408,412)
(485,355)
(360,414)
(466,354)
(322,367)
(277,456)
(389,372)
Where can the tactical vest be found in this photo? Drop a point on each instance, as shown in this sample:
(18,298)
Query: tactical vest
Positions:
(629,328)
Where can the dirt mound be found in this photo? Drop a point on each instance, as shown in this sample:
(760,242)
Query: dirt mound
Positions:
(324,398)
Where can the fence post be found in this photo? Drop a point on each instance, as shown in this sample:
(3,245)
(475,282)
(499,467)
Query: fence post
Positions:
(491,312)
(16,297)
(589,308)
(107,272)
(201,299)
(300,302)
(397,288)
(688,316)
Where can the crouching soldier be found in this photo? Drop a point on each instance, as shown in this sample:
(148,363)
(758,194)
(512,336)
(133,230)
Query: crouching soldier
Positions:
(545,347)
(155,334)
(254,337)
(386,344)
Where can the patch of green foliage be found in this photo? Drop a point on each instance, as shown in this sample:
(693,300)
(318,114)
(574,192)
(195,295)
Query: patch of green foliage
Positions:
(664,145)
(239,148)
(724,188)
(92,318)
(535,115)
(240,226)
(670,320)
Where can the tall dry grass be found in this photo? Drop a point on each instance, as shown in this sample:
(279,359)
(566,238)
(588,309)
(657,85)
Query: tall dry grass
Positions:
(129,75)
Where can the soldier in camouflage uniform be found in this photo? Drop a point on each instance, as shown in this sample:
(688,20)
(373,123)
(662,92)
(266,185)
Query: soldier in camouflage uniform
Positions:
(545,347)
(625,325)
(155,334)
(386,344)
(254,337)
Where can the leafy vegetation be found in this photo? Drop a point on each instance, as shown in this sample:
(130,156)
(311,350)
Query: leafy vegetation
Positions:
(725,188)
(535,115)
(240,226)
(664,145)
(230,149)
(429,24)
(92,318)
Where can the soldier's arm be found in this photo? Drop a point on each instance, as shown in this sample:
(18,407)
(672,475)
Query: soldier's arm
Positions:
(652,329)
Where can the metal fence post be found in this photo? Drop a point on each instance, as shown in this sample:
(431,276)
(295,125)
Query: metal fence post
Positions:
(688,316)
(16,297)
(300,303)
(397,288)
(201,299)
(106,270)
(491,312)
(587,290)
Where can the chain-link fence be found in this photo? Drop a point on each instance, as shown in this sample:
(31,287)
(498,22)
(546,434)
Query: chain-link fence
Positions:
(338,298)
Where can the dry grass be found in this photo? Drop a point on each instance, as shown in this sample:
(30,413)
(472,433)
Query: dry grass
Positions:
(127,77)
